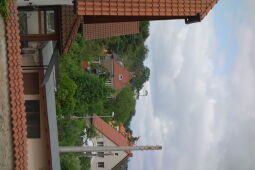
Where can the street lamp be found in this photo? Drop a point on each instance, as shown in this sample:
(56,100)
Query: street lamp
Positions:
(90,117)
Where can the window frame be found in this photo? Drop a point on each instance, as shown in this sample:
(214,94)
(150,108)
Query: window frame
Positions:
(101,143)
(33,124)
(100,165)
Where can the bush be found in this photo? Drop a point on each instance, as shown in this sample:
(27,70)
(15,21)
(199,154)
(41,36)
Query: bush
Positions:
(69,132)
(85,163)
(70,162)
(4,7)
(65,102)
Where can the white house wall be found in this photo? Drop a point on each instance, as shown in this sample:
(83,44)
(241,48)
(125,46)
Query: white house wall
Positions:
(44,2)
(109,161)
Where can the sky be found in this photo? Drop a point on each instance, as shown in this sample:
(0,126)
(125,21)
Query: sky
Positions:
(201,102)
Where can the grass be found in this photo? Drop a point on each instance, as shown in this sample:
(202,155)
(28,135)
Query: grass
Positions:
(4,7)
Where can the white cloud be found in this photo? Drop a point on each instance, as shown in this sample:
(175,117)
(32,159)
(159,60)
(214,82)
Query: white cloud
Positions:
(204,120)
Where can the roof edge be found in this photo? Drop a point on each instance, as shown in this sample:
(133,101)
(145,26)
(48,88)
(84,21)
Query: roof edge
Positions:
(213,3)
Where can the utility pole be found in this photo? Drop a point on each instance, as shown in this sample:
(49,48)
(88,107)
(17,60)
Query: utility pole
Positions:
(65,149)
(90,154)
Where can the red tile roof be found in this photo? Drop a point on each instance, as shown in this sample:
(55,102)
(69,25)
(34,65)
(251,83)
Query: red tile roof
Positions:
(121,75)
(84,65)
(16,88)
(111,133)
(169,9)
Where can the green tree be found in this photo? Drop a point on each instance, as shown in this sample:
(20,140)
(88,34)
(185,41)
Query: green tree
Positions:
(69,131)
(85,163)
(70,162)
(123,105)
(141,77)
(91,90)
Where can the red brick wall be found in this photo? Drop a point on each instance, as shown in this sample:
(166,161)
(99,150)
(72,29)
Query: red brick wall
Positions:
(104,30)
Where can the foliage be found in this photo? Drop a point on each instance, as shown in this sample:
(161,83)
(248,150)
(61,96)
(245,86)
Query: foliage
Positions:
(85,163)
(133,52)
(4,7)
(70,162)
(69,131)
(65,102)
(91,132)
(123,166)
(142,76)
(73,161)
(123,105)
(80,92)
(91,89)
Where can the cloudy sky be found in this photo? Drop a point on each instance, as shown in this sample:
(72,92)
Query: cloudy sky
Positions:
(201,102)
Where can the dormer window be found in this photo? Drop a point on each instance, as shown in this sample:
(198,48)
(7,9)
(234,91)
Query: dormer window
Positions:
(120,77)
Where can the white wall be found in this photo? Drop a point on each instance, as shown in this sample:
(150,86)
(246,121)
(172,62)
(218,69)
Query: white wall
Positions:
(44,2)
(32,20)
(109,161)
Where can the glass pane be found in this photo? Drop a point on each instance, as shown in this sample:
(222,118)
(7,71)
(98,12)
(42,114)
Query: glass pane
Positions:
(100,164)
(42,31)
(33,119)
(32,106)
(32,22)
(100,143)
(22,22)
(33,132)
(50,22)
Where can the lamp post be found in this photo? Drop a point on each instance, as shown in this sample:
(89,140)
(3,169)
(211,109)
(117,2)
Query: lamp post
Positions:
(90,117)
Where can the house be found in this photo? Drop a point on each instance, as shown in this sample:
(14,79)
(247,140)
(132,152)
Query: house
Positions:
(38,25)
(40,108)
(108,136)
(49,22)
(32,83)
(119,75)
(62,19)
(56,20)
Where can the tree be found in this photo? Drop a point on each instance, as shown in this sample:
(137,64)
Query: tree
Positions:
(70,162)
(141,77)
(91,90)
(123,105)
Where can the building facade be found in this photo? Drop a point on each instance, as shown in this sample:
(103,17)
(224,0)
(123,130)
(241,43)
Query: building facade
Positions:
(40,108)
(108,136)
(119,75)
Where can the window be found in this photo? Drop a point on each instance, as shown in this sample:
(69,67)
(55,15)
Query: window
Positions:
(41,21)
(120,77)
(116,154)
(23,22)
(100,143)
(50,22)
(33,118)
(100,164)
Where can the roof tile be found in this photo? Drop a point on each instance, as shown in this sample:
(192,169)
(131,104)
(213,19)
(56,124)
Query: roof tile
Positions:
(16,88)
(108,131)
